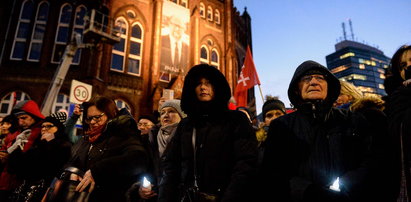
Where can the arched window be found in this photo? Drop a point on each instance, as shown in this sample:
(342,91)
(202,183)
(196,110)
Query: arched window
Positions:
(39,29)
(134,56)
(202,10)
(62,35)
(214,59)
(122,104)
(7,102)
(184,3)
(22,31)
(204,55)
(62,102)
(217,17)
(78,28)
(210,13)
(119,49)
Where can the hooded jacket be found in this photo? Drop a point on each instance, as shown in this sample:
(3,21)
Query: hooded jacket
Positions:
(9,181)
(116,158)
(225,145)
(308,149)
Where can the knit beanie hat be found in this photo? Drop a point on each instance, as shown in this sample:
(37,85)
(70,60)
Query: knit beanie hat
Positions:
(272,105)
(148,117)
(60,116)
(174,104)
(56,122)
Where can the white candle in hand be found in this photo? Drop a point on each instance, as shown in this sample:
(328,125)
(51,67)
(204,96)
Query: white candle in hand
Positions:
(336,185)
(146,183)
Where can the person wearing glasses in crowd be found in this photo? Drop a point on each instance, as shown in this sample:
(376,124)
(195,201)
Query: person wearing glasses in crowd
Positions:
(29,131)
(110,153)
(42,162)
(320,153)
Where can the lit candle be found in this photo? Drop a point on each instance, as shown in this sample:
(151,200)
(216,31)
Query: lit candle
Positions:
(336,185)
(146,183)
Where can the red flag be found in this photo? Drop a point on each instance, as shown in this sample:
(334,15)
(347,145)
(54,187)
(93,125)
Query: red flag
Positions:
(247,79)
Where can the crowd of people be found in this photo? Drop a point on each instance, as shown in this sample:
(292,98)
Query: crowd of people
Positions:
(337,144)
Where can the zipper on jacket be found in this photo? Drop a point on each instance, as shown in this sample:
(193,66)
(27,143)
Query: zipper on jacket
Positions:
(313,109)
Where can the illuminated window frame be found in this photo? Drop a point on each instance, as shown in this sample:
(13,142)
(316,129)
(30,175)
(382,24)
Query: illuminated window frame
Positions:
(217,17)
(139,42)
(39,29)
(62,102)
(10,99)
(209,14)
(62,28)
(205,60)
(123,31)
(202,10)
(214,59)
(19,43)
(184,3)
(78,27)
(122,104)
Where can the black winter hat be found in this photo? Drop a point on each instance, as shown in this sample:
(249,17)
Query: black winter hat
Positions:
(273,105)
(148,117)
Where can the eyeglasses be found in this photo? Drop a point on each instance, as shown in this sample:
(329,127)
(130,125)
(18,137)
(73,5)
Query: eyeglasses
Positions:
(308,78)
(144,124)
(96,118)
(47,126)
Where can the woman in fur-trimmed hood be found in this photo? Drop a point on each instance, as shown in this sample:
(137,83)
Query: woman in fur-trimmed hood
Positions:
(225,160)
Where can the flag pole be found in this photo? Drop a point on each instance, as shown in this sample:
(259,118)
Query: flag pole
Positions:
(261,93)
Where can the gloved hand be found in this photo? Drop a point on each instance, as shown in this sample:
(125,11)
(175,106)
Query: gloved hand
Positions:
(315,193)
(18,144)
(24,135)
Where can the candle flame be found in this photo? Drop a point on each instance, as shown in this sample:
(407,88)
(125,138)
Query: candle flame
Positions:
(146,183)
(336,185)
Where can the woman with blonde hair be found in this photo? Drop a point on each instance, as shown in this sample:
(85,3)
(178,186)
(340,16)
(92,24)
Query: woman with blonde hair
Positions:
(348,95)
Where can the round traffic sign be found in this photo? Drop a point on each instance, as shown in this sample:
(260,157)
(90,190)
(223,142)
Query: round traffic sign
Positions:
(81,93)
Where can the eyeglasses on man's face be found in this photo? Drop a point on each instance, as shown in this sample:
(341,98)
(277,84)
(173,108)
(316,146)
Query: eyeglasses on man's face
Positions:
(47,126)
(308,78)
(145,124)
(95,118)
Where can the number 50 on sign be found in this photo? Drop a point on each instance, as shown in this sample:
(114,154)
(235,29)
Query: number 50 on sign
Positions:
(80,92)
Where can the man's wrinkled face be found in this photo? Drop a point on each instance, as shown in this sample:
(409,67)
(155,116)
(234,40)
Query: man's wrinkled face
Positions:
(313,87)
(25,121)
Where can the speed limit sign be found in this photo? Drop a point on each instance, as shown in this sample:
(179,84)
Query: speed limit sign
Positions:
(80,92)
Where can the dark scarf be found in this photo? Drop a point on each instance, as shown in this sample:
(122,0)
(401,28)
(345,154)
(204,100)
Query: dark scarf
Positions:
(94,134)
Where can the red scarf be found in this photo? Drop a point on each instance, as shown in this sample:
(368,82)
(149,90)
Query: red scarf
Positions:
(93,134)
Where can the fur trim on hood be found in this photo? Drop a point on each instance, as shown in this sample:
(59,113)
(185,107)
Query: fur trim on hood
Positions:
(368,102)
(222,93)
